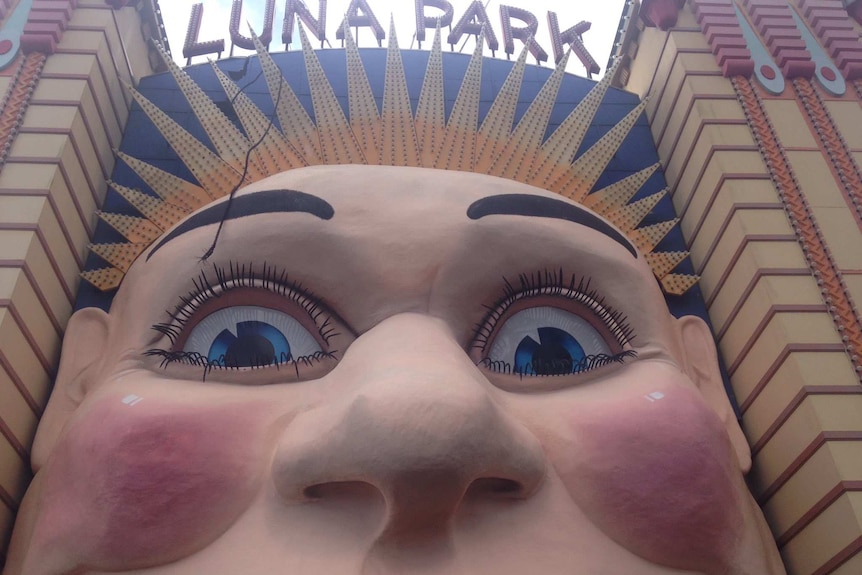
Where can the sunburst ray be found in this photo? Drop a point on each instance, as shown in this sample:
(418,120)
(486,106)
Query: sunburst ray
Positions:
(386,137)
(214,175)
(296,125)
(560,148)
(459,142)
(230,144)
(430,112)
(580,178)
(336,138)
(524,143)
(361,106)
(398,145)
(169,187)
(499,120)
(273,152)
(619,193)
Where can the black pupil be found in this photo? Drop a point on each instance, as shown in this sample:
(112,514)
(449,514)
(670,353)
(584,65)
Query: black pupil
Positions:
(249,350)
(552,359)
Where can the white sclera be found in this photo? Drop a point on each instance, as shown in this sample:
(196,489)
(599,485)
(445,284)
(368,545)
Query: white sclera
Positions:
(527,323)
(302,343)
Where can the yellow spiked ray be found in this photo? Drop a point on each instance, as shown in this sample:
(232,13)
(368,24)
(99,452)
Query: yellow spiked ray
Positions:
(524,143)
(120,256)
(678,284)
(104,279)
(498,123)
(136,230)
(663,263)
(336,138)
(230,144)
(296,125)
(561,146)
(398,145)
(274,153)
(646,239)
(459,142)
(430,113)
(214,175)
(362,108)
(619,193)
(388,138)
(169,187)
(585,172)
(159,212)
(628,217)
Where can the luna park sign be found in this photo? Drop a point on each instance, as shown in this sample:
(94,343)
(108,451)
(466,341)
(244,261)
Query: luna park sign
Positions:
(515,23)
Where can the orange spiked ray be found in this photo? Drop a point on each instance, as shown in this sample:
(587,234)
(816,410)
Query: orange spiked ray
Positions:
(430,113)
(398,144)
(391,136)
(458,149)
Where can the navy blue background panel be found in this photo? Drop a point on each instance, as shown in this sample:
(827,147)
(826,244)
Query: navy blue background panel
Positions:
(143,141)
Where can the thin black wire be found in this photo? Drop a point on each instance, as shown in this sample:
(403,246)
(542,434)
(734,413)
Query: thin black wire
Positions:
(251,149)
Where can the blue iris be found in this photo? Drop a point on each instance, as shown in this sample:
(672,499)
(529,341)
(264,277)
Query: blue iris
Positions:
(556,353)
(255,343)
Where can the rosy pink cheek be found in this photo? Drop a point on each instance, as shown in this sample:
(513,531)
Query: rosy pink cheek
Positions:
(144,484)
(658,475)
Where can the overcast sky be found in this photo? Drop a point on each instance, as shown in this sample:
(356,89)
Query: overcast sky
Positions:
(603,14)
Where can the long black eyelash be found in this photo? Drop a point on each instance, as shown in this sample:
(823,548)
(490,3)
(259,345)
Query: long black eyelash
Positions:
(552,282)
(587,363)
(243,275)
(194,358)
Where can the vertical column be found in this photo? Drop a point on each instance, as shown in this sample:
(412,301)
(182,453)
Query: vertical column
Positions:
(757,181)
(62,112)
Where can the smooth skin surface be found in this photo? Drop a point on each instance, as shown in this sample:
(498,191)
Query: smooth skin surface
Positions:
(402,447)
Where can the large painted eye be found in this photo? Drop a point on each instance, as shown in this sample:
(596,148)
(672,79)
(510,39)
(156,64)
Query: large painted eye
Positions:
(547,340)
(250,336)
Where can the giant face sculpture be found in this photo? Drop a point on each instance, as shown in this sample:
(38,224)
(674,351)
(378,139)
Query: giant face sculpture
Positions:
(390,370)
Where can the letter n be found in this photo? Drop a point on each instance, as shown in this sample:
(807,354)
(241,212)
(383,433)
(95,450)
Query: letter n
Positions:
(265,34)
(366,19)
(294,8)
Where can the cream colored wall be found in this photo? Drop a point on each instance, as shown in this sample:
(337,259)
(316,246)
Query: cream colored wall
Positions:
(52,182)
(800,397)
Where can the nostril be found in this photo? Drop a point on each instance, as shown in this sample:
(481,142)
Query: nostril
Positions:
(341,490)
(495,487)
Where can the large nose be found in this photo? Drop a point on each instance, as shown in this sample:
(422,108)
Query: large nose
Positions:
(414,418)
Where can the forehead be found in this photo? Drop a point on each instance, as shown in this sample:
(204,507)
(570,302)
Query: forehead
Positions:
(420,207)
(424,210)
(393,189)
(398,240)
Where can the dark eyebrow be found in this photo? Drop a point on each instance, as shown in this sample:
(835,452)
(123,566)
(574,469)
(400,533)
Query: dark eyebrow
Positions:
(266,202)
(542,207)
